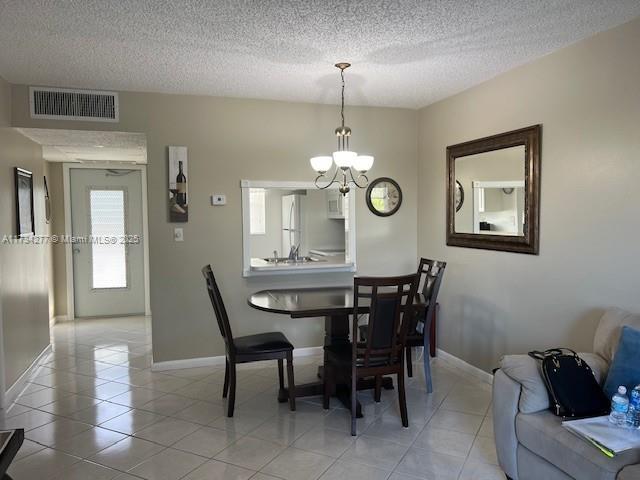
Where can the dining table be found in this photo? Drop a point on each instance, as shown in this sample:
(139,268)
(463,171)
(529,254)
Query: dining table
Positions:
(335,304)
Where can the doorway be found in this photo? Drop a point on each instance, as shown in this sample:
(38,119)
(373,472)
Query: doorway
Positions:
(107,208)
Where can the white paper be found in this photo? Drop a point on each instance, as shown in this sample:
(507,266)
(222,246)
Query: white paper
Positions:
(616,439)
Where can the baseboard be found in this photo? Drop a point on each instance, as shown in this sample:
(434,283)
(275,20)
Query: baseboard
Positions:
(464,366)
(58,319)
(187,363)
(21,383)
(218,360)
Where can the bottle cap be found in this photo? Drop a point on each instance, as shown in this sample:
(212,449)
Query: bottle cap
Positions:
(622,390)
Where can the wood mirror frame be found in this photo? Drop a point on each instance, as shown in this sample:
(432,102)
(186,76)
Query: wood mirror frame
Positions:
(528,243)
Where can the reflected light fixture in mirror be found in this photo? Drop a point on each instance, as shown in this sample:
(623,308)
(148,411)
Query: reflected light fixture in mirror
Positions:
(346,161)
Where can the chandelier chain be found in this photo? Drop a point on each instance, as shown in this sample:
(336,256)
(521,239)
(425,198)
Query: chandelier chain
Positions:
(342,97)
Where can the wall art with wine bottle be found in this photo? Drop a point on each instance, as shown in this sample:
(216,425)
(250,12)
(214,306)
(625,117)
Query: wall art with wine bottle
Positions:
(178,197)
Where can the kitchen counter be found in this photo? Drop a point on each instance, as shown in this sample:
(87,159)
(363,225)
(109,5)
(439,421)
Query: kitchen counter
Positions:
(322,264)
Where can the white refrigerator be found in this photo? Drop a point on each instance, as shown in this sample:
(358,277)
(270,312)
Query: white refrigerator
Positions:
(291,225)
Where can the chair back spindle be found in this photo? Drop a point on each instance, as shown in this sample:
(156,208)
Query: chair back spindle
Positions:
(218,307)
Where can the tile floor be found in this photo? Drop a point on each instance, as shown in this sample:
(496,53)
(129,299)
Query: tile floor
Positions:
(96,411)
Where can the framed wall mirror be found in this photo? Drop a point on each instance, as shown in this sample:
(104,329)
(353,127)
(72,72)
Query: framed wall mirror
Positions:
(500,178)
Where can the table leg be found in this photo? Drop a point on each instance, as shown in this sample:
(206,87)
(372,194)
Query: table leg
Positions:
(336,332)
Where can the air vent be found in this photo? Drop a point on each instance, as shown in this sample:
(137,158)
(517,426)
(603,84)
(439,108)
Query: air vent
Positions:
(67,104)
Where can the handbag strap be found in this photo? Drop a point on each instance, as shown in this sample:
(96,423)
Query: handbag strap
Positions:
(542,354)
(553,352)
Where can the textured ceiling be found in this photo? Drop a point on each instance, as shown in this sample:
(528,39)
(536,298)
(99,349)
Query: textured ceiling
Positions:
(406,53)
(81,145)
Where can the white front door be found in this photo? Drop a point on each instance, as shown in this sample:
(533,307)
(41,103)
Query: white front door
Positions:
(108,264)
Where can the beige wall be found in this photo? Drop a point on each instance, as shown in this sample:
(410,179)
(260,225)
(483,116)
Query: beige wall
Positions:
(5,103)
(24,269)
(587,97)
(59,274)
(230,140)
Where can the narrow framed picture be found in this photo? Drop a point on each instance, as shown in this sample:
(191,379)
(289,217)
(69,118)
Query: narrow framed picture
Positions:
(178,199)
(25,221)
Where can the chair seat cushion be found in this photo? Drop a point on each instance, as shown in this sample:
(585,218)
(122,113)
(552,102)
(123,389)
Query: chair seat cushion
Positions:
(269,342)
(544,435)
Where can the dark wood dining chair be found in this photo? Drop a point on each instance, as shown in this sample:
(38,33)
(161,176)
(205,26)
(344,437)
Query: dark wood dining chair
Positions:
(430,273)
(250,348)
(390,301)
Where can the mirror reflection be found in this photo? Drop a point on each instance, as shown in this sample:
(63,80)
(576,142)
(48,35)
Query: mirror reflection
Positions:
(297,228)
(490,192)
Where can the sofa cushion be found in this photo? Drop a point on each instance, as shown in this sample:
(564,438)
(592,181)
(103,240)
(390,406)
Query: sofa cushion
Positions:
(526,371)
(625,368)
(544,435)
(607,336)
(632,472)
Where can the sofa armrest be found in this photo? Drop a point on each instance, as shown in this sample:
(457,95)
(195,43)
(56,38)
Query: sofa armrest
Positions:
(506,396)
(525,371)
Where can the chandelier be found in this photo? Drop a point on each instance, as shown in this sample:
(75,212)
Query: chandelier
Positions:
(346,161)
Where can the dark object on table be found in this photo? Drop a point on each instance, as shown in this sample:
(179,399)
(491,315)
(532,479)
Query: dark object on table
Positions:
(573,389)
(391,307)
(10,443)
(251,348)
(432,271)
(485,226)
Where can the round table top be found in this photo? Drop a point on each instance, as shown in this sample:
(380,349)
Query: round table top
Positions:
(309,302)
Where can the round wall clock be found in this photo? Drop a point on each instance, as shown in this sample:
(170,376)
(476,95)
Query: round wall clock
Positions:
(459,195)
(384,196)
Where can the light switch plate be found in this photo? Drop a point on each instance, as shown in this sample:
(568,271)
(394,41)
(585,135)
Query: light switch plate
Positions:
(178,234)
(218,199)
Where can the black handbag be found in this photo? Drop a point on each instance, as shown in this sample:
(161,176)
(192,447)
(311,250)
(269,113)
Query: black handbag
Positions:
(573,389)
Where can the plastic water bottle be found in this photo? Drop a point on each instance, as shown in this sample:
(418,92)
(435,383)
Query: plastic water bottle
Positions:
(633,414)
(619,407)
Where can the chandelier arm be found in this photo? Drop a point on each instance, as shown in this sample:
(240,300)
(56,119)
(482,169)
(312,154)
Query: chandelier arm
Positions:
(322,175)
(360,176)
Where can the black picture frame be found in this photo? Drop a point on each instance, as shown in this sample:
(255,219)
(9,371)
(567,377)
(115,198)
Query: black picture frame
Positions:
(47,202)
(25,220)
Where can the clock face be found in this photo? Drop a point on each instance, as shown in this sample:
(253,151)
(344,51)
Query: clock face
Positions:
(384,197)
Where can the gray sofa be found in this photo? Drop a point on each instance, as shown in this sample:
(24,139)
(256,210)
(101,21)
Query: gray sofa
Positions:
(531,442)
